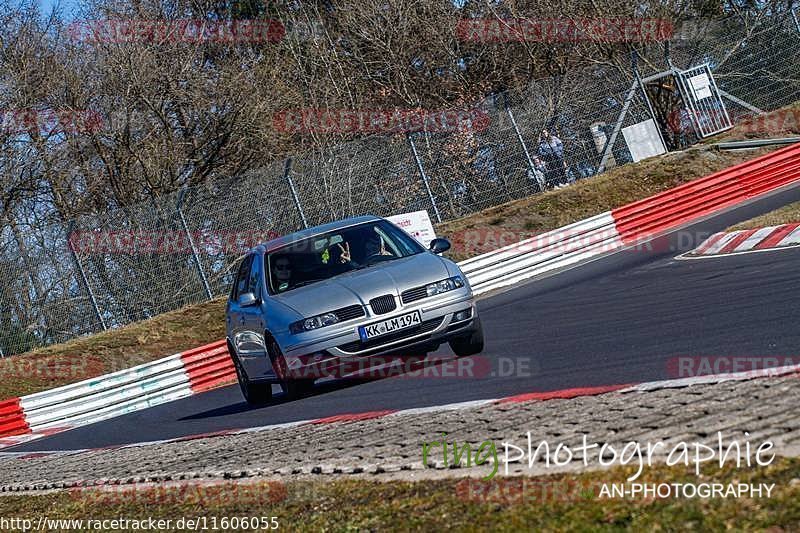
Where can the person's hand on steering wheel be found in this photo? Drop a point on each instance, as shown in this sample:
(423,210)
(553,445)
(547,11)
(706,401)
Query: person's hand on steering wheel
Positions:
(384,251)
(380,252)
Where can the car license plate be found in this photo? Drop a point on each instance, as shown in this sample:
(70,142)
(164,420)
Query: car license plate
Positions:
(388,326)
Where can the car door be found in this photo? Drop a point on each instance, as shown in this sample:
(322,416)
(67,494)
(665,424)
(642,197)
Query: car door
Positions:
(252,318)
(235,318)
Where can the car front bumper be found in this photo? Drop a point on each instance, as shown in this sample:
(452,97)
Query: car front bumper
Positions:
(316,350)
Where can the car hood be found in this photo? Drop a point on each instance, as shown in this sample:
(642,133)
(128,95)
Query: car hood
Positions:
(360,286)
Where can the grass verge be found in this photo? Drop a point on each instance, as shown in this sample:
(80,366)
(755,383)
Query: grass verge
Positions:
(112,350)
(783,215)
(203,323)
(566,502)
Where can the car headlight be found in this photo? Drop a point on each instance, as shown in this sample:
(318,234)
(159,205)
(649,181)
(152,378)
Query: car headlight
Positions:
(445,285)
(315,322)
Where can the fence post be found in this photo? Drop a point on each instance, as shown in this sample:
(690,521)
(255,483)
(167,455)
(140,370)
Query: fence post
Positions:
(84,279)
(646,97)
(195,255)
(287,175)
(617,127)
(531,167)
(794,17)
(424,177)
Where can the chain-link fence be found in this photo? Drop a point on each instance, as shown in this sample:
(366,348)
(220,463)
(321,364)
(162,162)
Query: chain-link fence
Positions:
(98,272)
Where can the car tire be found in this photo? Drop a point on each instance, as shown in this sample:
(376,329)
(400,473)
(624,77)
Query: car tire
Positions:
(469,344)
(254,393)
(292,387)
(297,388)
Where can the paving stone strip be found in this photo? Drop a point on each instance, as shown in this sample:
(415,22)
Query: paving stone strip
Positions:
(391,447)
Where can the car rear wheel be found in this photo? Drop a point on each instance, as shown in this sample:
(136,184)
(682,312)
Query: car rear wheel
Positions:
(254,393)
(469,344)
(293,387)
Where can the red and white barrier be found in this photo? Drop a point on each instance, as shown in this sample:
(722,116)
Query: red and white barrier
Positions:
(634,223)
(111,395)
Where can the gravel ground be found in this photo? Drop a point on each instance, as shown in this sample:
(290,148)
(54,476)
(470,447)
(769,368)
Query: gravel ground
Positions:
(391,447)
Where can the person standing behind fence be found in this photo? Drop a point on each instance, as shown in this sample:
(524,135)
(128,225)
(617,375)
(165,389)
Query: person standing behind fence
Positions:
(551,150)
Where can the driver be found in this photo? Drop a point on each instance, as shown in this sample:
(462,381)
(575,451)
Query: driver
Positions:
(282,271)
(374,245)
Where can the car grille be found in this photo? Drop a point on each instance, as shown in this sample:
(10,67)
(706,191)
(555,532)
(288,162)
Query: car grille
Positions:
(424,327)
(350,312)
(383,304)
(412,295)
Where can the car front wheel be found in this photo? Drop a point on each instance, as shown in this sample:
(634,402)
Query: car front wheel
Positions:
(254,393)
(293,387)
(470,344)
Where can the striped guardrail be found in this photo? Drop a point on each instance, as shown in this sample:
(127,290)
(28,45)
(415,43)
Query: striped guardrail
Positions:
(118,393)
(633,223)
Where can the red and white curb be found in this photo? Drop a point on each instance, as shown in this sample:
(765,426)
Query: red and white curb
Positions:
(564,394)
(747,241)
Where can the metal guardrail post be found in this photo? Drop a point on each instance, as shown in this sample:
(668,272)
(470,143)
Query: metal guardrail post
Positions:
(287,175)
(755,143)
(528,158)
(424,177)
(85,279)
(195,255)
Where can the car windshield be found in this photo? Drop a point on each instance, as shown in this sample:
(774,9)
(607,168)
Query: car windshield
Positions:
(334,253)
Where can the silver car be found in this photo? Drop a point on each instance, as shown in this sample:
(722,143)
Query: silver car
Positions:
(356,290)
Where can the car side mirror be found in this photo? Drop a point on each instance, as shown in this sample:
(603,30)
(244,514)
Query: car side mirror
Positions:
(247,299)
(439,246)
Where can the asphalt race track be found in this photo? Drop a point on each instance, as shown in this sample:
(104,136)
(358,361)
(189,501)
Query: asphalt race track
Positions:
(617,320)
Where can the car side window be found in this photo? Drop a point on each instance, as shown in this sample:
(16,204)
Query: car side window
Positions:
(240,285)
(255,274)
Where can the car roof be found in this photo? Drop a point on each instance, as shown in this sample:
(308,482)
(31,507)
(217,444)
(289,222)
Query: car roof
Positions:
(280,242)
